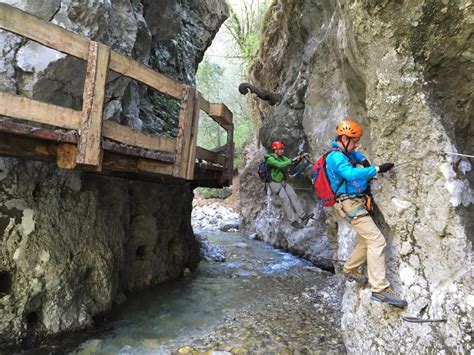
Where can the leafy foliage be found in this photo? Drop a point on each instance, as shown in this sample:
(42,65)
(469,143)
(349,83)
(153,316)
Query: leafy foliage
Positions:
(214,193)
(246,26)
(219,76)
(210,81)
(218,85)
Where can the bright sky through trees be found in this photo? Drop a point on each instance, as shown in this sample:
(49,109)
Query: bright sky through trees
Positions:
(224,67)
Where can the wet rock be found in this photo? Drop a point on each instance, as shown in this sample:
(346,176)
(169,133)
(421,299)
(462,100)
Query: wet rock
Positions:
(90,347)
(231,227)
(208,251)
(240,245)
(280,310)
(120,298)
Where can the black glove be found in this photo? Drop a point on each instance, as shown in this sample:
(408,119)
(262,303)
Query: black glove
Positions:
(365,163)
(385,167)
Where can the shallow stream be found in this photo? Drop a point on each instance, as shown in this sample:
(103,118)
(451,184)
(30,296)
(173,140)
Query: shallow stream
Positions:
(260,300)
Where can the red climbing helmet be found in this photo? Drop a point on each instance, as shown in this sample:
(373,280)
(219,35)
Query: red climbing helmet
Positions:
(277,145)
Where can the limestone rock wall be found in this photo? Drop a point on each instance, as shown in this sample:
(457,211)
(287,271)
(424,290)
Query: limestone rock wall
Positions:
(282,67)
(73,243)
(404,70)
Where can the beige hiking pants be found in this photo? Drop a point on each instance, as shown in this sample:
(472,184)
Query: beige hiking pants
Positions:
(370,244)
(289,199)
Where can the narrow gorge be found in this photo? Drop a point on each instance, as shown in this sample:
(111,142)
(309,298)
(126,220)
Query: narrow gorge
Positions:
(79,249)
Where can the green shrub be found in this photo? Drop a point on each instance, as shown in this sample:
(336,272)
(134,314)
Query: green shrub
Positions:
(206,192)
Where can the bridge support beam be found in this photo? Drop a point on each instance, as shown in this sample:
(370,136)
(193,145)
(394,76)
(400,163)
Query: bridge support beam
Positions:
(90,132)
(187,135)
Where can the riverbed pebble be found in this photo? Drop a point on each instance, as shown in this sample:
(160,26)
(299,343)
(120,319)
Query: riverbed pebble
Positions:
(214,217)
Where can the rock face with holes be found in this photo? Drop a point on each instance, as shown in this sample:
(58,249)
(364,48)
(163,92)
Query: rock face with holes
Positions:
(73,243)
(404,70)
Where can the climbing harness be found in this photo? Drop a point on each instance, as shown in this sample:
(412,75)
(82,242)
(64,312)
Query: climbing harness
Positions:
(353,215)
(363,207)
(343,197)
(423,320)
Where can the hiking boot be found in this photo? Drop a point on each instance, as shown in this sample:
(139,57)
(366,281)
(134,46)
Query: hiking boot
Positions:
(355,275)
(295,224)
(306,218)
(388,295)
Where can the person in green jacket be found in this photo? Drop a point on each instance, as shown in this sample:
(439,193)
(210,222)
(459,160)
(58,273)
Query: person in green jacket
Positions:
(279,186)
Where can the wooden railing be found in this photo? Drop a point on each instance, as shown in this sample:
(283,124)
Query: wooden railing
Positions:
(92,136)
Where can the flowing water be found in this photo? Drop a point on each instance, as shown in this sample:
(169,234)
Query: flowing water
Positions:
(260,300)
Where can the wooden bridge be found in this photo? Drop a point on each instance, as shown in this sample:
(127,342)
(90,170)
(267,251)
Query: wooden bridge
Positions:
(83,140)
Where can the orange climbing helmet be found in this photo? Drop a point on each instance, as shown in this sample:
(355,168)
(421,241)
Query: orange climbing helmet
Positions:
(277,145)
(349,128)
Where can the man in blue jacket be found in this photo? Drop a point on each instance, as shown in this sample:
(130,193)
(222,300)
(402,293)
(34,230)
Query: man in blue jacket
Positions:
(349,184)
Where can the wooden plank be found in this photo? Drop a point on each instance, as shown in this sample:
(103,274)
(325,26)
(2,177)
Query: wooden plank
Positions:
(86,138)
(221,114)
(119,163)
(193,136)
(136,151)
(126,135)
(211,157)
(150,166)
(124,164)
(204,104)
(52,36)
(26,147)
(208,176)
(66,156)
(90,132)
(23,130)
(22,107)
(113,164)
(186,114)
(150,77)
(229,157)
(58,38)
